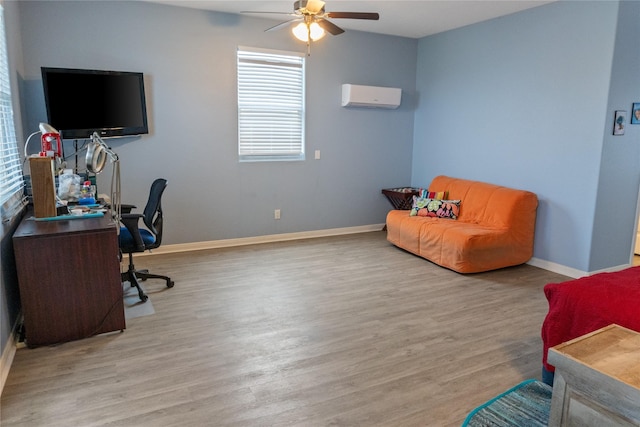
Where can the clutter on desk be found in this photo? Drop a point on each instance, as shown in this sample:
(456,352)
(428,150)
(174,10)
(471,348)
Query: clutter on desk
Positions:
(72,216)
(67,211)
(76,188)
(69,186)
(87,194)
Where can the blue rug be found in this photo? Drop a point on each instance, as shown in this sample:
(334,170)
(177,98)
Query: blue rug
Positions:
(525,405)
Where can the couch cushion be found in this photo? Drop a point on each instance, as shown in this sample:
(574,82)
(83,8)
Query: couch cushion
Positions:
(403,230)
(466,247)
(491,204)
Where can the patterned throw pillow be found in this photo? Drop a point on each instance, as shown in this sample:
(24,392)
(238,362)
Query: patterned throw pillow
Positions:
(435,208)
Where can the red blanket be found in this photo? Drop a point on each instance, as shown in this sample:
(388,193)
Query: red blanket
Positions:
(580,306)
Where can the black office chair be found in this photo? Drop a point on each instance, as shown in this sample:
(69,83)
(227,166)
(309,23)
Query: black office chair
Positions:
(135,239)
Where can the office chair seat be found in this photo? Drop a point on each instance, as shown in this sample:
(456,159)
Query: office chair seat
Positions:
(134,238)
(127,241)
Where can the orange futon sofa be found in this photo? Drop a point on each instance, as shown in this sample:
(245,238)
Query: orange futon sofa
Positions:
(494,227)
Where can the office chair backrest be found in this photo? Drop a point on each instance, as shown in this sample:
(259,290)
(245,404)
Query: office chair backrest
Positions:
(152,214)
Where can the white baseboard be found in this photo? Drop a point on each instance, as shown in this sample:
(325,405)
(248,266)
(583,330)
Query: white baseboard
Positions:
(226,243)
(556,268)
(8,354)
(611,269)
(572,272)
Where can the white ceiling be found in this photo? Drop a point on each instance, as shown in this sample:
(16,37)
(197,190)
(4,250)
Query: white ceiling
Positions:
(408,18)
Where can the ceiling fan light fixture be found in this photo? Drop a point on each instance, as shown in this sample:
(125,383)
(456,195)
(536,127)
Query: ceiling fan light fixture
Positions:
(303,31)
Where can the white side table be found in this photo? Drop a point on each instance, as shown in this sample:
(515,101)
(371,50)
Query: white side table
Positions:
(597,379)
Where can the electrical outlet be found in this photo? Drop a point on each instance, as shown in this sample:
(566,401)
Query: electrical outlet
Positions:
(276,214)
(317,155)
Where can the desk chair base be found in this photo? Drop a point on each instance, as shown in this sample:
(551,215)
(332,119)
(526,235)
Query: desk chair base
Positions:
(134,277)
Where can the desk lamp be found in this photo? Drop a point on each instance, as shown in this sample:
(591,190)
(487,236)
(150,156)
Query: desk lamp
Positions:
(96,158)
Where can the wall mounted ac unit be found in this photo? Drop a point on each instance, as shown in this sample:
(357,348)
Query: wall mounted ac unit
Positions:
(370,96)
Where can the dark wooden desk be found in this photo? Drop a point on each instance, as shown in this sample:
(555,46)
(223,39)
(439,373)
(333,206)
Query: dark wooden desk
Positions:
(69,278)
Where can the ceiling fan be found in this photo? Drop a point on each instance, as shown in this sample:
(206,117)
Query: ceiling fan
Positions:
(313,22)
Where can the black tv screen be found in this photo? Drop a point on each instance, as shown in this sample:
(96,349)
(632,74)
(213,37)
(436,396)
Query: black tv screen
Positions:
(80,102)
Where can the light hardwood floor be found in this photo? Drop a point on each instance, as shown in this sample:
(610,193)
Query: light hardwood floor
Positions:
(338,331)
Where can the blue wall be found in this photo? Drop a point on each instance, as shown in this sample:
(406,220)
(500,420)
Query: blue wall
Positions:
(523,101)
(189,59)
(615,215)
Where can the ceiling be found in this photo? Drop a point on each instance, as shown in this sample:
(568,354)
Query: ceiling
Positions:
(408,18)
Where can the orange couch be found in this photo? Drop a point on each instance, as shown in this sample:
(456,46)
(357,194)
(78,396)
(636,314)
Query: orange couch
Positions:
(494,229)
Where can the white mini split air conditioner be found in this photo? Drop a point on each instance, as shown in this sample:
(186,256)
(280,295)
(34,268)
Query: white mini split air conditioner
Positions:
(370,96)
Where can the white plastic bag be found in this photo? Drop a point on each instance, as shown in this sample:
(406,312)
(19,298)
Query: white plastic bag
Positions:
(69,186)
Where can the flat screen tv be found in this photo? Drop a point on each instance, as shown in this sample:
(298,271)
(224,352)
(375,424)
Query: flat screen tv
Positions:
(80,102)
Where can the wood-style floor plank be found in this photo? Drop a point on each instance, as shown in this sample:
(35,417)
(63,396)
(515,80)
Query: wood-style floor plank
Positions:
(337,331)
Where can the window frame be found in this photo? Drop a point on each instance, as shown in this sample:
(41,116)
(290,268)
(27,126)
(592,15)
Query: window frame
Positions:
(11,174)
(266,109)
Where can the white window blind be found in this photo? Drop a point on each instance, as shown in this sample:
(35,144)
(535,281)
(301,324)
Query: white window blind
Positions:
(11,189)
(270,105)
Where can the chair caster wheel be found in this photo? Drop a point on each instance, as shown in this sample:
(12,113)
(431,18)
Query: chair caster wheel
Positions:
(170,284)
(144,298)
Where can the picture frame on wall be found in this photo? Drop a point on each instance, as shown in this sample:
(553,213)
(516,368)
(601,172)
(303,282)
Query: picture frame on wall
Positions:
(635,113)
(619,122)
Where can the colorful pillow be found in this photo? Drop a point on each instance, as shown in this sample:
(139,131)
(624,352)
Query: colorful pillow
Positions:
(438,195)
(435,208)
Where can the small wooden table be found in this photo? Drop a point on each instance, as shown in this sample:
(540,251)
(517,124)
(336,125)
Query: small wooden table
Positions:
(597,379)
(401,198)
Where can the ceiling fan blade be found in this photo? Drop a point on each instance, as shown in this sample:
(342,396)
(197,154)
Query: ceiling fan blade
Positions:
(314,6)
(330,27)
(354,15)
(281,25)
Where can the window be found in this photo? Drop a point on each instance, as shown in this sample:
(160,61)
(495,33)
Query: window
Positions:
(11,182)
(270,105)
